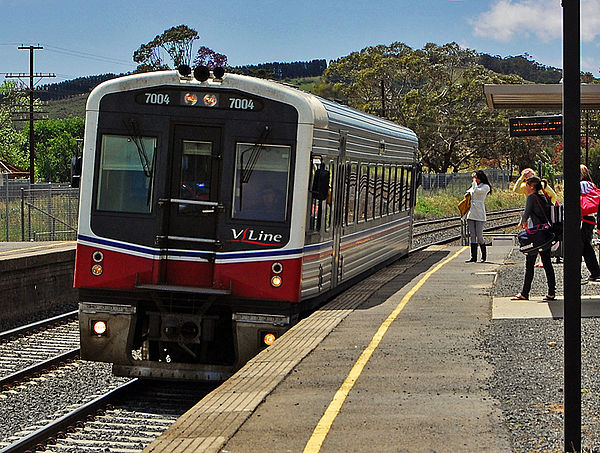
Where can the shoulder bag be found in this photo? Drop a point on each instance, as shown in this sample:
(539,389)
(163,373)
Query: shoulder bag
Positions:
(465,204)
(538,238)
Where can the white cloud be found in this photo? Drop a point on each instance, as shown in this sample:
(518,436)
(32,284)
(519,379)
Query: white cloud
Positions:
(509,19)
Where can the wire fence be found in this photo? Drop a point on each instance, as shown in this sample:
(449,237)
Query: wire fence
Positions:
(49,212)
(37,212)
(458,183)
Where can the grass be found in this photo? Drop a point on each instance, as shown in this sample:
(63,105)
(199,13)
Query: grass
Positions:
(445,205)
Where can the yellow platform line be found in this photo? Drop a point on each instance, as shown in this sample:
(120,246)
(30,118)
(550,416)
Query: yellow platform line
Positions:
(322,429)
(48,245)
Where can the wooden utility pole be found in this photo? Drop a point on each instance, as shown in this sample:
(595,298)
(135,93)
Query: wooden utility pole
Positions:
(31,76)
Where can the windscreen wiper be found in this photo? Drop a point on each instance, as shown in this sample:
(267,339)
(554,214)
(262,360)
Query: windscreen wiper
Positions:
(135,135)
(254,151)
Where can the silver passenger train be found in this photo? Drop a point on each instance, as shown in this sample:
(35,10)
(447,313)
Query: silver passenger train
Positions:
(216,208)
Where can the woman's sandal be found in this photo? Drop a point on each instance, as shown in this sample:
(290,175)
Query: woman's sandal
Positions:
(519,297)
(549,298)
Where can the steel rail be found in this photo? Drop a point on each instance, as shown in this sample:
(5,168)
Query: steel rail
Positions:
(450,219)
(36,325)
(19,376)
(457,238)
(38,439)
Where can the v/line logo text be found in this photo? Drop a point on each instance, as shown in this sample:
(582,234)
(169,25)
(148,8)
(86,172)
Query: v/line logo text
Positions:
(251,236)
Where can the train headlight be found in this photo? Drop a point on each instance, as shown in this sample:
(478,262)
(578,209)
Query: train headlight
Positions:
(190,99)
(210,100)
(276,281)
(277,268)
(99,327)
(97,270)
(269,339)
(98,256)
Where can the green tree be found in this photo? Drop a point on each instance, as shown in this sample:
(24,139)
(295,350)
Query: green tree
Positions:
(437,91)
(177,42)
(11,140)
(56,145)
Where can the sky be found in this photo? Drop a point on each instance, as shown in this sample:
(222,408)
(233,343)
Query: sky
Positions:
(90,37)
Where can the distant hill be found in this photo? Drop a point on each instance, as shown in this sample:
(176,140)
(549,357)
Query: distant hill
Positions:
(528,69)
(72,87)
(294,70)
(83,85)
(73,106)
(68,98)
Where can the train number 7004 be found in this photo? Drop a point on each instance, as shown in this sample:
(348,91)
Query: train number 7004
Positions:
(241,103)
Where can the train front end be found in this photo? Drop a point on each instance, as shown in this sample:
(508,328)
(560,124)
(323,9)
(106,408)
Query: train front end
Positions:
(187,263)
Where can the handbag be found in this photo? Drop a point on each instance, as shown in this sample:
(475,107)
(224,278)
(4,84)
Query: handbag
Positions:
(538,238)
(465,204)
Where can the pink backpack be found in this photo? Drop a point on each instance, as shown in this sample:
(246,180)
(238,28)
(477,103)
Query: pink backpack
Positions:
(589,198)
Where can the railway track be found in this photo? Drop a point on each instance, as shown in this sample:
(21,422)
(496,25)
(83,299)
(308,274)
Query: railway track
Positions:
(451,229)
(126,419)
(132,416)
(27,351)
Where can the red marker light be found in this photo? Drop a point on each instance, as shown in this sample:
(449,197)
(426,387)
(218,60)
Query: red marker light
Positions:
(190,99)
(210,100)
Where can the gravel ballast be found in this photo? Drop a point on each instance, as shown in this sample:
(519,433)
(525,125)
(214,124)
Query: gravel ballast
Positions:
(527,358)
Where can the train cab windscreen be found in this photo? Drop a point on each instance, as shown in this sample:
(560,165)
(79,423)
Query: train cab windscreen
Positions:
(126,174)
(261,182)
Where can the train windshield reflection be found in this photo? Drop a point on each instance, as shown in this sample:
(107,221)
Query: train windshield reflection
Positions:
(261,182)
(126,174)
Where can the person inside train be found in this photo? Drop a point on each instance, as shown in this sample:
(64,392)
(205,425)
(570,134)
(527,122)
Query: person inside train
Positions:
(537,211)
(268,204)
(479,190)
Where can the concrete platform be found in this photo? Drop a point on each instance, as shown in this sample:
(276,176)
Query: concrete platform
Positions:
(505,308)
(35,278)
(392,365)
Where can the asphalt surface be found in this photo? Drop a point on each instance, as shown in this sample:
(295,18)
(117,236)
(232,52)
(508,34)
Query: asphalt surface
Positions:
(425,387)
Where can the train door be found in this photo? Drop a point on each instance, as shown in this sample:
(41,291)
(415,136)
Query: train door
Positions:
(337,202)
(193,204)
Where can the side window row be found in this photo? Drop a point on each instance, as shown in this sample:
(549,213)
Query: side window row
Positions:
(375,190)
(370,191)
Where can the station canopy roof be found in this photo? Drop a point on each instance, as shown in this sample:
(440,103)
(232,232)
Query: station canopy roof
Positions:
(537,96)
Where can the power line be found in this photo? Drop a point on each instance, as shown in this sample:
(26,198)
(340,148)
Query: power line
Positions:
(32,75)
(88,56)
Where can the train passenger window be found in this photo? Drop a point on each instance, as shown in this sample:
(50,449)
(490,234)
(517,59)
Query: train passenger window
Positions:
(362,192)
(378,189)
(328,202)
(319,209)
(370,208)
(399,189)
(386,191)
(126,175)
(407,188)
(196,170)
(351,177)
(261,180)
(314,220)
(392,191)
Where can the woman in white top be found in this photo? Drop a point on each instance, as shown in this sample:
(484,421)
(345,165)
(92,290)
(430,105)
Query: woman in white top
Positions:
(479,190)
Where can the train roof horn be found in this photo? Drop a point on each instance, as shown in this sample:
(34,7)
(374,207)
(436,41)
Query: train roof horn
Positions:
(201,73)
(184,70)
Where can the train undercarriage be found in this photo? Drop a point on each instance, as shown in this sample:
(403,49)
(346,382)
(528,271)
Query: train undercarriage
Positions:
(177,335)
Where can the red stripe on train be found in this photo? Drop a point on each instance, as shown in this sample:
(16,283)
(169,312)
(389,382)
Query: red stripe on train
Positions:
(247,279)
